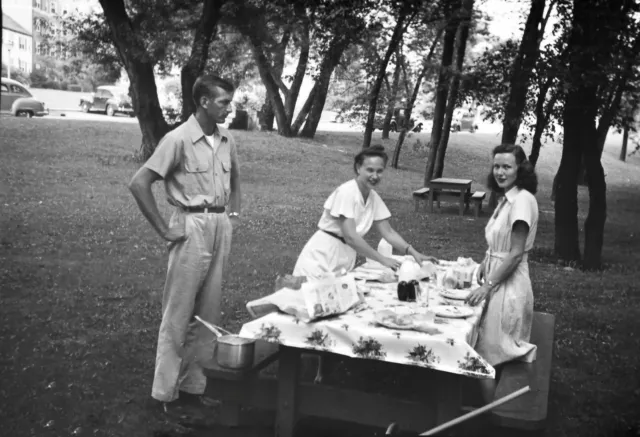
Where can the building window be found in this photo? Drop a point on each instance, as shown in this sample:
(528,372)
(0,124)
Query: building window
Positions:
(22,43)
(53,7)
(38,4)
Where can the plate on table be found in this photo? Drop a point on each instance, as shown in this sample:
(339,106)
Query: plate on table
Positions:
(453,311)
(394,319)
(452,293)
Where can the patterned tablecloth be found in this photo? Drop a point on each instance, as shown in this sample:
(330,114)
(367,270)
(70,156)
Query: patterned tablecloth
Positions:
(447,346)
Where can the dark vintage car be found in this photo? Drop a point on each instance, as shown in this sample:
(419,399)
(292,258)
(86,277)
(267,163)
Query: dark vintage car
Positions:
(17,100)
(110,100)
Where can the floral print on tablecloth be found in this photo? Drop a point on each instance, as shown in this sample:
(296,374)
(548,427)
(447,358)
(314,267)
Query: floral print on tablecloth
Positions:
(447,346)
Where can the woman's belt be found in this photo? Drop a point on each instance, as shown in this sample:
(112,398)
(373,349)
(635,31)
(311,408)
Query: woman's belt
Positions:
(336,236)
(503,255)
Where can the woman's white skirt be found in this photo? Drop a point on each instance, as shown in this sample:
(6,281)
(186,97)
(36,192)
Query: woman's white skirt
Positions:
(324,254)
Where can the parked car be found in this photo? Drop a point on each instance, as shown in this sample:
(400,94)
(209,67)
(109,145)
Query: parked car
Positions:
(108,99)
(17,100)
(464,120)
(359,116)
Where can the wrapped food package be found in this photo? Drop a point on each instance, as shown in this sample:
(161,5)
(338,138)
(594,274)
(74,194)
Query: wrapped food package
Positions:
(459,276)
(313,298)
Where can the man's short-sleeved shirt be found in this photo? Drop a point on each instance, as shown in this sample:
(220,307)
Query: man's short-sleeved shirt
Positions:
(347,201)
(195,172)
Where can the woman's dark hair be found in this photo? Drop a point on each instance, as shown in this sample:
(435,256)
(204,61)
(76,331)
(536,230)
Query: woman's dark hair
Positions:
(526,178)
(376,151)
(206,86)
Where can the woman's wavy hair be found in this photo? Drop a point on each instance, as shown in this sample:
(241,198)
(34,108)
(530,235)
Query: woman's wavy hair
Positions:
(376,151)
(527,179)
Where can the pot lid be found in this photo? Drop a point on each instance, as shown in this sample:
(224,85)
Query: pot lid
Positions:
(235,340)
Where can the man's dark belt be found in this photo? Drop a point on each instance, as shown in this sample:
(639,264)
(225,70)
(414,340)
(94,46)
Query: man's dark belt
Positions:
(334,236)
(204,209)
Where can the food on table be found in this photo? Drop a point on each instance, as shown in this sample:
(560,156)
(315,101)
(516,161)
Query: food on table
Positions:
(453,311)
(458,276)
(456,294)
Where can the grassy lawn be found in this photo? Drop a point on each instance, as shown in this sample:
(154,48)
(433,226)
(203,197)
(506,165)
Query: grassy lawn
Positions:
(81,271)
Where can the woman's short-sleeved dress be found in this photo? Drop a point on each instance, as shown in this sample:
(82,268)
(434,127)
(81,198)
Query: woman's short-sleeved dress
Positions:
(505,328)
(325,253)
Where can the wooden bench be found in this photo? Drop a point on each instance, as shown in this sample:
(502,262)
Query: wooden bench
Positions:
(422,196)
(528,412)
(476,198)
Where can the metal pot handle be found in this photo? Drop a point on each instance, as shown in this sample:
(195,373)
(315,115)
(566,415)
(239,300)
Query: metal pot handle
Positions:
(213,328)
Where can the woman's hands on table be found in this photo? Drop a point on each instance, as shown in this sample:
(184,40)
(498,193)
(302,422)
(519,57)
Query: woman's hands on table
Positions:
(478,295)
(390,263)
(420,258)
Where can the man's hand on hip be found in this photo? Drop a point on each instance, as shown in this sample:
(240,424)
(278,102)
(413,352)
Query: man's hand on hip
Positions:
(175,234)
(234,220)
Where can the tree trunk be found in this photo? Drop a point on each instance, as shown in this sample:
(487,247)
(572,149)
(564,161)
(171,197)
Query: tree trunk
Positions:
(329,63)
(416,89)
(394,94)
(304,111)
(194,67)
(594,224)
(590,45)
(625,141)
(267,116)
(301,68)
(139,68)
(567,245)
(398,31)
(543,114)
(462,34)
(522,67)
(442,90)
(270,84)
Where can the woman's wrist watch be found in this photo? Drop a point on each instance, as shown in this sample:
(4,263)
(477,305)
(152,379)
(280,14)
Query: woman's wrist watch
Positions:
(490,283)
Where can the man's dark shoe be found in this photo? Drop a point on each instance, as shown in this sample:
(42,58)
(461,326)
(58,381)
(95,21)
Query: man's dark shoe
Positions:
(191,411)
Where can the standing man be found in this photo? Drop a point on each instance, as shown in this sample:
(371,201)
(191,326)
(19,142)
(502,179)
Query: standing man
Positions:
(199,165)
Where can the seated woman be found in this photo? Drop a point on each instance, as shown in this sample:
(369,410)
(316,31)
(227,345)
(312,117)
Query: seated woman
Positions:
(505,327)
(349,212)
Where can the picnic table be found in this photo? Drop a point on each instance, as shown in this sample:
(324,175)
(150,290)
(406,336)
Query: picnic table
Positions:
(450,187)
(445,352)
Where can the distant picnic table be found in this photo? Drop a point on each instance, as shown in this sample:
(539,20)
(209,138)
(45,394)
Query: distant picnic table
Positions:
(458,190)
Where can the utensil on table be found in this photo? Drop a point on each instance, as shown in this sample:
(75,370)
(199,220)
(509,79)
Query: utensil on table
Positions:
(231,350)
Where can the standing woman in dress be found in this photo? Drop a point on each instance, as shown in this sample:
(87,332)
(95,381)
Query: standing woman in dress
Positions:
(349,213)
(505,328)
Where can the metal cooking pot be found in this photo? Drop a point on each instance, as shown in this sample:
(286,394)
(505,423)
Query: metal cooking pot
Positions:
(234,352)
(231,350)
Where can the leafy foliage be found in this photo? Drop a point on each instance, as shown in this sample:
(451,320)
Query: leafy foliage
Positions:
(16,74)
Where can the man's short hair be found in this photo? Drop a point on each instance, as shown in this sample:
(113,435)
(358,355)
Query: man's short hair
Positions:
(205,86)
